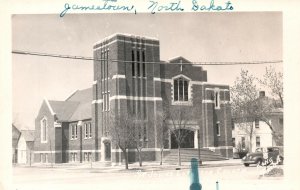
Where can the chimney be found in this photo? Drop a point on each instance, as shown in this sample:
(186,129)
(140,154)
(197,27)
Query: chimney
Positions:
(262,94)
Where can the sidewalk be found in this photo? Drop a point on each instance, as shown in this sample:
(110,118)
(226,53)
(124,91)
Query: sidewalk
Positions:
(99,167)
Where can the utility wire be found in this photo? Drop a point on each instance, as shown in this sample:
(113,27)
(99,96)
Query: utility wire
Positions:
(147,62)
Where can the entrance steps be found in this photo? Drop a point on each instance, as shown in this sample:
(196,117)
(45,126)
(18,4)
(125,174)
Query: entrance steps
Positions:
(188,153)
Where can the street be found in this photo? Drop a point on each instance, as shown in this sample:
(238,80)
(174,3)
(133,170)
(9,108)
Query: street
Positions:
(229,177)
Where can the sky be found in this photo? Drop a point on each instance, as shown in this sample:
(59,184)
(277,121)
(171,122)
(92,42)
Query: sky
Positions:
(236,36)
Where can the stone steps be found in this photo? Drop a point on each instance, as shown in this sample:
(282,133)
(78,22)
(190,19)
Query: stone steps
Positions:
(188,154)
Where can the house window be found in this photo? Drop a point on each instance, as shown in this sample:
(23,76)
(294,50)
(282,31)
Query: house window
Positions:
(257,141)
(218,129)
(181,86)
(44,130)
(74,132)
(243,142)
(233,142)
(217,99)
(256,123)
(138,64)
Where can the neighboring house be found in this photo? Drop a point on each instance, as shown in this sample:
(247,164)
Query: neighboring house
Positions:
(15,139)
(262,135)
(22,146)
(26,147)
(77,129)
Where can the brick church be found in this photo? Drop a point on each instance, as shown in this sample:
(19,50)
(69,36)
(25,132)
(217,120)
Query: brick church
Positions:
(129,77)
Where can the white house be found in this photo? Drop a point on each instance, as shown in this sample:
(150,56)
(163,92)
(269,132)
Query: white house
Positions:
(262,135)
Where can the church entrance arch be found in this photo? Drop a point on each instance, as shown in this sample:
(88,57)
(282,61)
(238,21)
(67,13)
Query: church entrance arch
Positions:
(187,137)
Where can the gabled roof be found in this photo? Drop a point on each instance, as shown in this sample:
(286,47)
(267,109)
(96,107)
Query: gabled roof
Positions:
(28,135)
(83,111)
(76,107)
(63,109)
(84,95)
(179,59)
(15,136)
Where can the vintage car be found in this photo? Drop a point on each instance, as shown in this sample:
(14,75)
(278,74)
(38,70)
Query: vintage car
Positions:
(261,156)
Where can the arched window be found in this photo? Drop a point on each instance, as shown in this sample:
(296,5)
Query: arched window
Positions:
(44,130)
(181,90)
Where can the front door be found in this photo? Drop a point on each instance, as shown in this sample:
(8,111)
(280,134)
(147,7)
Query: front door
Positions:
(107,145)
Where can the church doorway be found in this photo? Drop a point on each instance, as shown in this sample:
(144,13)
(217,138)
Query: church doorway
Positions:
(187,137)
(107,150)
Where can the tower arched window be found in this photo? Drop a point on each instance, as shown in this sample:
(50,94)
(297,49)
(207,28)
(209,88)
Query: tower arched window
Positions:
(181,90)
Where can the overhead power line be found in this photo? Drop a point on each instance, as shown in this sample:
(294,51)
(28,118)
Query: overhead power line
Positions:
(161,62)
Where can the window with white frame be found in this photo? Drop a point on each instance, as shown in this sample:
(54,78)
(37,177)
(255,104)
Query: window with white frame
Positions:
(44,130)
(181,90)
(257,141)
(87,130)
(74,131)
(90,130)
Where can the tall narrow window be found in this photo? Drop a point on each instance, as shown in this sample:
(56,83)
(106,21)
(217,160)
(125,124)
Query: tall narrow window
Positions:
(175,90)
(145,132)
(76,132)
(217,99)
(185,90)
(144,65)
(86,131)
(218,129)
(132,63)
(138,64)
(90,130)
(108,102)
(44,130)
(181,89)
(106,71)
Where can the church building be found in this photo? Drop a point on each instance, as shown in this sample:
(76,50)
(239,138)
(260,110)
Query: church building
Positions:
(130,78)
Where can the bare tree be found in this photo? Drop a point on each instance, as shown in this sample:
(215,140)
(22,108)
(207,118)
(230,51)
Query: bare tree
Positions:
(122,132)
(140,139)
(178,117)
(162,132)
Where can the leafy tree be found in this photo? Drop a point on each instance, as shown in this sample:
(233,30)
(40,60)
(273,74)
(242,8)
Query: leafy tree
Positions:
(246,104)
(274,82)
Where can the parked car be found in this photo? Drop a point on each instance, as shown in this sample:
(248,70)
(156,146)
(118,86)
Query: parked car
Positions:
(264,155)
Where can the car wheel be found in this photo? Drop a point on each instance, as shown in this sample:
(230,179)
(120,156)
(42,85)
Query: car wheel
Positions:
(246,165)
(281,160)
(259,162)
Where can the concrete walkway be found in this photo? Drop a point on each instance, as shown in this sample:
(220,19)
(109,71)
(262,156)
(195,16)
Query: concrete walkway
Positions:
(100,167)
